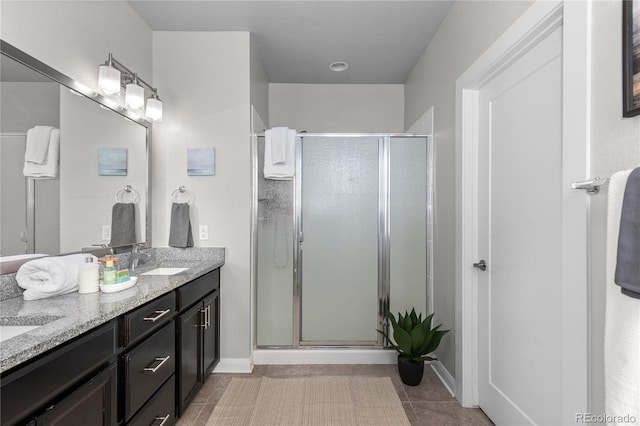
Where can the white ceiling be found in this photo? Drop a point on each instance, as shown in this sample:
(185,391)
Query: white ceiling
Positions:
(297,40)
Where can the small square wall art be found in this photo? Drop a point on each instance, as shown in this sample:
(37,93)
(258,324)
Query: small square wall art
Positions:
(112,161)
(201,162)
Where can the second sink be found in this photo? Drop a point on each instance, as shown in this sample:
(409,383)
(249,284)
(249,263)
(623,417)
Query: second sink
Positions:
(165,271)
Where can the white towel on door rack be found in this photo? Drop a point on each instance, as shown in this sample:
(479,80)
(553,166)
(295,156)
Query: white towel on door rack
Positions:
(279,153)
(49,167)
(37,145)
(622,321)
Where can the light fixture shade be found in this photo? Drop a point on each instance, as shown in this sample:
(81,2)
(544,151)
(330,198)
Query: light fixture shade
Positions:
(109,80)
(154,109)
(134,96)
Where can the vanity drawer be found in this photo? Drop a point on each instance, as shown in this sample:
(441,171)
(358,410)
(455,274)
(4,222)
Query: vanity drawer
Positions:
(147,318)
(35,386)
(147,367)
(160,410)
(192,292)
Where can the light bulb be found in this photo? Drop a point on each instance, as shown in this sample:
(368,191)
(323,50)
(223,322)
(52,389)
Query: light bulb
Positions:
(109,80)
(134,96)
(154,109)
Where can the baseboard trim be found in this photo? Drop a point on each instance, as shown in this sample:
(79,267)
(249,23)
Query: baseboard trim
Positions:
(234,365)
(323,356)
(445,377)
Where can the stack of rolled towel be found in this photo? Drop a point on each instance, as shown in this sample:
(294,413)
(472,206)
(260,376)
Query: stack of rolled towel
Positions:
(50,276)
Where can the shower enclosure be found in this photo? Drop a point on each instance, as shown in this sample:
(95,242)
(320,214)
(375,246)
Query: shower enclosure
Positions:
(349,234)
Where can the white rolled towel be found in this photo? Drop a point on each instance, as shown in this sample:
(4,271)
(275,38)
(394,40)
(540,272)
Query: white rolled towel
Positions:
(50,276)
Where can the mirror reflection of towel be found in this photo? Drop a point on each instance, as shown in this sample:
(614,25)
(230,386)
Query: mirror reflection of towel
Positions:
(180,231)
(123,224)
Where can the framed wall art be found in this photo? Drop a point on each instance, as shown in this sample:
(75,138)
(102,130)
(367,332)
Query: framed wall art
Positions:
(631,57)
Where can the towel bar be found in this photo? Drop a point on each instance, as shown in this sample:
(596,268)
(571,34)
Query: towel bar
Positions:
(592,186)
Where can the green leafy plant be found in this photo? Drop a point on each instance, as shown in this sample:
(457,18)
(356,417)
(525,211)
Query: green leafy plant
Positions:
(414,338)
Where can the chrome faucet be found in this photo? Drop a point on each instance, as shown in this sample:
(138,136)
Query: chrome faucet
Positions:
(136,255)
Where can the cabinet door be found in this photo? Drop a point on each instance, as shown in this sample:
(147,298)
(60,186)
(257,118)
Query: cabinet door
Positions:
(188,327)
(211,333)
(92,404)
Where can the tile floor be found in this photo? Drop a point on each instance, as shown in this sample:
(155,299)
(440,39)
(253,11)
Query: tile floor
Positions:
(427,404)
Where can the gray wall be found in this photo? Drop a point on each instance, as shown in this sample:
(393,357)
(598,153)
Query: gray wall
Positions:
(467,31)
(208,105)
(331,108)
(74,37)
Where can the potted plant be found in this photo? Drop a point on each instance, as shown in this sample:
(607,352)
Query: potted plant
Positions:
(414,340)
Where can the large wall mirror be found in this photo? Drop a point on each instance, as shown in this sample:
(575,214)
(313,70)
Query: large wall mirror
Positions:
(102,161)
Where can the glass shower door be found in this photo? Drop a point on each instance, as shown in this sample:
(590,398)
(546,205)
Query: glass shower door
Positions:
(338,265)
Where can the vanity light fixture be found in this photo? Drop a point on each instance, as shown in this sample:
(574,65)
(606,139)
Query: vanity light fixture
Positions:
(113,75)
(154,108)
(134,94)
(109,78)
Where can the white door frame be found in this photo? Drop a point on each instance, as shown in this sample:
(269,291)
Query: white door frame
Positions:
(534,25)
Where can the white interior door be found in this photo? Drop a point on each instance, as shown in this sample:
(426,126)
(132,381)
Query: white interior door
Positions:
(520,238)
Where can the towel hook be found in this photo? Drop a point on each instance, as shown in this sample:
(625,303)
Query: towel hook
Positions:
(181,191)
(128,189)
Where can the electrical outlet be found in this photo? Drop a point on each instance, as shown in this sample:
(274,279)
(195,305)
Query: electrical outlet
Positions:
(204,232)
(106,232)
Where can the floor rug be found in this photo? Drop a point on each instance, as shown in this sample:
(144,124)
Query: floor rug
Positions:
(298,401)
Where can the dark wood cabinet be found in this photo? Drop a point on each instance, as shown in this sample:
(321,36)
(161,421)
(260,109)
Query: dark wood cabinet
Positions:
(141,368)
(211,333)
(197,335)
(188,326)
(45,381)
(160,410)
(147,367)
(94,403)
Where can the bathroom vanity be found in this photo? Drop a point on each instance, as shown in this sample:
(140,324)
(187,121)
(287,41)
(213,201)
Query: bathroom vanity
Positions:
(132,357)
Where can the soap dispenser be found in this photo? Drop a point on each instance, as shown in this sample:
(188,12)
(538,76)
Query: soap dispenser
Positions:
(109,272)
(89,276)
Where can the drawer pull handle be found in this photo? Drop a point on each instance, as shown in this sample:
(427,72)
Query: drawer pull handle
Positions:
(158,315)
(162,361)
(164,419)
(206,320)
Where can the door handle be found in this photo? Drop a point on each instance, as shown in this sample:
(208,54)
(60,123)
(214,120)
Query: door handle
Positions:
(482,265)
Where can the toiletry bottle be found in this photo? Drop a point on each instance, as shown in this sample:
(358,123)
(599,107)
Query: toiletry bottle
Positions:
(109,272)
(89,276)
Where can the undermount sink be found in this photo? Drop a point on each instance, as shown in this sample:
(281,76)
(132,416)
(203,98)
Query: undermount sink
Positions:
(165,271)
(14,326)
(9,331)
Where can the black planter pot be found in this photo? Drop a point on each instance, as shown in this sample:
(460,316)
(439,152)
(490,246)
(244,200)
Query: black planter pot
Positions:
(411,372)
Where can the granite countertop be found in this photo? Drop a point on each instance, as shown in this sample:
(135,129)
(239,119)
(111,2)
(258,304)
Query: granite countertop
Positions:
(64,317)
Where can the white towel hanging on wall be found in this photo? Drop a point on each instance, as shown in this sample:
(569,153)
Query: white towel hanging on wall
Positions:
(279,153)
(622,322)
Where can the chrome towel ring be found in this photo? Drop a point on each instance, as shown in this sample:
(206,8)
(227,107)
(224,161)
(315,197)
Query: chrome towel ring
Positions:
(125,192)
(181,192)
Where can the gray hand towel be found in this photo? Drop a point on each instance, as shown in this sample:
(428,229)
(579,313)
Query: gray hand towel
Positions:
(180,231)
(123,224)
(628,262)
